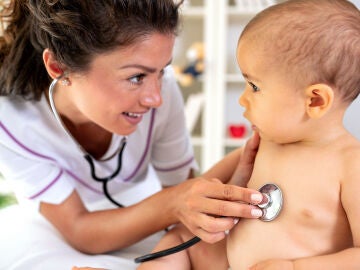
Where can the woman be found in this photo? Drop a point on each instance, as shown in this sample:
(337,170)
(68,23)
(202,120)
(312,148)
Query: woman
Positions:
(90,107)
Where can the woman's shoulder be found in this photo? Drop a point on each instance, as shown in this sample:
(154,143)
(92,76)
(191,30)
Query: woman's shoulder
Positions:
(23,120)
(16,108)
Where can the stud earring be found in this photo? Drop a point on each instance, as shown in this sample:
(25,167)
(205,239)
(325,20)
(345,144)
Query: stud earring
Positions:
(65,81)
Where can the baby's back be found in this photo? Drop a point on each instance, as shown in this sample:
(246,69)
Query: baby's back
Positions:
(312,221)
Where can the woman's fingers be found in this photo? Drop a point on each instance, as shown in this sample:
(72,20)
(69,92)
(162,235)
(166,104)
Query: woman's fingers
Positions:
(217,190)
(221,208)
(210,238)
(220,200)
(208,207)
(212,228)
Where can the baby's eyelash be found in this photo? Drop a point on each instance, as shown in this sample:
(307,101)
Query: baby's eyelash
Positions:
(254,87)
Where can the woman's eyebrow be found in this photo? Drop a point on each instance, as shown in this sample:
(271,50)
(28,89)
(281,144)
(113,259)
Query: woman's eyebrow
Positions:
(143,67)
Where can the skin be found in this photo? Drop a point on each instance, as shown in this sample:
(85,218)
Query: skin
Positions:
(316,166)
(315,221)
(120,82)
(97,103)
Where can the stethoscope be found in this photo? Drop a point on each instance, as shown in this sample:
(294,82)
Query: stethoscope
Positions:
(87,156)
(271,207)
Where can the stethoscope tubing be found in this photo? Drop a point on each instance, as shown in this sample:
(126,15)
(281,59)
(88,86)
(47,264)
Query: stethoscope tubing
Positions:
(275,200)
(105,181)
(169,251)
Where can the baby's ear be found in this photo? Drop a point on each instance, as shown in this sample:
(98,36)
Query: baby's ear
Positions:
(319,99)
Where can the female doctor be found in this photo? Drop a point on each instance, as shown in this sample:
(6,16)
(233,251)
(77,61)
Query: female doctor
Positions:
(88,107)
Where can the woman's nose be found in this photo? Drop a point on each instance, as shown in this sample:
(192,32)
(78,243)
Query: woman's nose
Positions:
(152,96)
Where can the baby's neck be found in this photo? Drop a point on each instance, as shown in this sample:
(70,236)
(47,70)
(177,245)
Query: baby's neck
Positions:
(315,139)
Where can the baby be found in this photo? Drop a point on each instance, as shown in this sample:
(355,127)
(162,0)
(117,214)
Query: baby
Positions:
(301,61)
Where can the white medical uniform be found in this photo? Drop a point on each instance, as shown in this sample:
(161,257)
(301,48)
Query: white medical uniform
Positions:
(43,164)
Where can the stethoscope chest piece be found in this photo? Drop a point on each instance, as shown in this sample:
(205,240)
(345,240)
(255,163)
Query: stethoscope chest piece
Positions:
(272,208)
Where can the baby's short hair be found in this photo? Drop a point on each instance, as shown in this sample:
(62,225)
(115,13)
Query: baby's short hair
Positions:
(316,40)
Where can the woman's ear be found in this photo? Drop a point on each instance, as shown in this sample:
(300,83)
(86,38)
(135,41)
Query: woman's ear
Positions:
(51,64)
(319,99)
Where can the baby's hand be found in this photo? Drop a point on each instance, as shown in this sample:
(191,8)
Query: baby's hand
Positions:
(273,265)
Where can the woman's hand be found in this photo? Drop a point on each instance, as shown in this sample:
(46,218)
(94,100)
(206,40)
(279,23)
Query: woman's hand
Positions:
(208,207)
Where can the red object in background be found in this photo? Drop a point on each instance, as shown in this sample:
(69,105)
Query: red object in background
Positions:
(237,130)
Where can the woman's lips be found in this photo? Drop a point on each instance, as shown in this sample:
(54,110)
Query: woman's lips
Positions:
(133,118)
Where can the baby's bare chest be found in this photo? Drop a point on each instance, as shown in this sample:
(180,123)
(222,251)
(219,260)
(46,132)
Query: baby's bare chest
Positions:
(310,184)
(312,220)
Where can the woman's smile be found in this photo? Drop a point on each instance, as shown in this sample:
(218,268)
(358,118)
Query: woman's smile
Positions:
(133,118)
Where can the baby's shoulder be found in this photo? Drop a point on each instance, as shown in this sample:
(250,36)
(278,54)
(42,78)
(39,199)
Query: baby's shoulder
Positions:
(350,178)
(350,156)
(350,146)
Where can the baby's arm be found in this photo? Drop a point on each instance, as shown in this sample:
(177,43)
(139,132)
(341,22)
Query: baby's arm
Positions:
(178,261)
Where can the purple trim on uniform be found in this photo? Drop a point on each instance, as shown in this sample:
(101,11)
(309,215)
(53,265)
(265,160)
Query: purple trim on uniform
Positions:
(48,186)
(71,173)
(82,182)
(175,167)
(24,146)
(48,158)
(146,148)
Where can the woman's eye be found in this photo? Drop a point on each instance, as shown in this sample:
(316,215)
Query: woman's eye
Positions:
(254,87)
(137,79)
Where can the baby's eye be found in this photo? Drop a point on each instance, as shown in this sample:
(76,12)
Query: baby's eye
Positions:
(137,79)
(254,87)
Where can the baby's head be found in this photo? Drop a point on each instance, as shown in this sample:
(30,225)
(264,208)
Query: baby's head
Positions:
(309,42)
